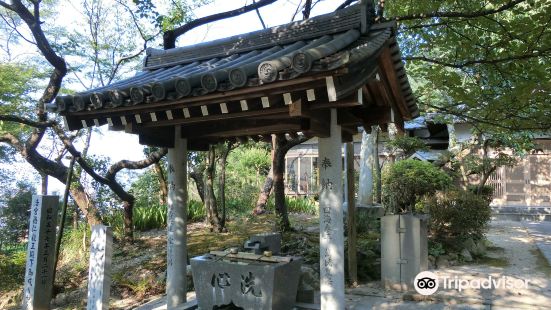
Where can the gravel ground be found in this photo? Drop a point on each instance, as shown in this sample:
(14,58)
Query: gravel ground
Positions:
(513,254)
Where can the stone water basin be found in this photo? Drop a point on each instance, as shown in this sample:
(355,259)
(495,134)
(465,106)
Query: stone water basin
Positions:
(245,280)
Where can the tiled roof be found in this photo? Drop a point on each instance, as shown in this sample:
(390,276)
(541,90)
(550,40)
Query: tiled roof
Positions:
(342,39)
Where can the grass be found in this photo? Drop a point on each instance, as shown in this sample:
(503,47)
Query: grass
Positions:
(12,270)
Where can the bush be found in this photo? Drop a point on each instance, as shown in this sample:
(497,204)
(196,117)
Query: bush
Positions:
(487,192)
(12,270)
(457,215)
(151,217)
(306,205)
(407,181)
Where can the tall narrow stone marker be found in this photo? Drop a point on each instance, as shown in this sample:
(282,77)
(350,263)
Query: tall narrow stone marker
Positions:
(331,219)
(99,273)
(365,193)
(176,286)
(37,291)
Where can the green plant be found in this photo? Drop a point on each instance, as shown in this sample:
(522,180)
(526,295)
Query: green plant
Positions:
(485,191)
(196,211)
(306,205)
(456,215)
(407,181)
(12,270)
(436,248)
(406,145)
(146,218)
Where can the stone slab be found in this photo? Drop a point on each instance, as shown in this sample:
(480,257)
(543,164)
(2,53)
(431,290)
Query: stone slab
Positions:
(37,291)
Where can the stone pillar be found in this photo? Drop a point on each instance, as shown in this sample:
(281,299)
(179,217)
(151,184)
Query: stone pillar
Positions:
(99,273)
(176,286)
(331,219)
(365,192)
(37,291)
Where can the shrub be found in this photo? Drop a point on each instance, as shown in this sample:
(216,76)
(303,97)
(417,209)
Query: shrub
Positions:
(306,205)
(12,270)
(457,215)
(487,192)
(407,181)
(196,211)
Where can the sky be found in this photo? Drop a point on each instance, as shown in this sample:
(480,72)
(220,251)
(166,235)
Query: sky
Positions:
(119,145)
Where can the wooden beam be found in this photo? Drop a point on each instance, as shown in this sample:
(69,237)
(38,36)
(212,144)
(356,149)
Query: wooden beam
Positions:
(331,90)
(389,76)
(217,117)
(298,109)
(346,118)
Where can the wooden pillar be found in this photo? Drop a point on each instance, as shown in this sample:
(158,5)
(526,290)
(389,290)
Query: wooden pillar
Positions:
(176,286)
(352,261)
(331,219)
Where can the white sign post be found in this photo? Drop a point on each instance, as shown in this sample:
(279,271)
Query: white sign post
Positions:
(176,286)
(99,274)
(331,219)
(37,291)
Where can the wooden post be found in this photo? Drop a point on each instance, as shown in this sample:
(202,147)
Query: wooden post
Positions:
(352,261)
(331,219)
(37,291)
(176,286)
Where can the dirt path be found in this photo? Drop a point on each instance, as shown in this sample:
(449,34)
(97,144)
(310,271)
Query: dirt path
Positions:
(513,255)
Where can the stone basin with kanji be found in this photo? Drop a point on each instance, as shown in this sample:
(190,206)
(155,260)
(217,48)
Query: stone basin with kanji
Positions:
(245,280)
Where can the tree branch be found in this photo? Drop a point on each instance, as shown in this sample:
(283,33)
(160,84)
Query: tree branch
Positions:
(26,121)
(170,37)
(474,14)
(260,17)
(345,4)
(152,158)
(480,61)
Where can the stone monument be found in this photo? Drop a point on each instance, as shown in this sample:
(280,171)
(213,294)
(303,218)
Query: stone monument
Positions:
(37,291)
(99,274)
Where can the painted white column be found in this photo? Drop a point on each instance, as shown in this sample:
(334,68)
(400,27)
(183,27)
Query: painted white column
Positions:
(99,272)
(176,286)
(365,189)
(331,219)
(37,291)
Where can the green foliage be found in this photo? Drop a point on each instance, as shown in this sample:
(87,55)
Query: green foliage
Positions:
(146,190)
(75,245)
(12,270)
(457,215)
(306,205)
(17,84)
(436,248)
(196,211)
(407,181)
(489,69)
(485,191)
(406,145)
(146,218)
(246,171)
(14,215)
(152,217)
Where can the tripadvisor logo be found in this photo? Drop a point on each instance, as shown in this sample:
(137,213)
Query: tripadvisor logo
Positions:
(426,283)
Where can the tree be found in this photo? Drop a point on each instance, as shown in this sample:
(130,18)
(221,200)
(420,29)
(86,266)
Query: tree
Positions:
(479,61)
(15,213)
(36,123)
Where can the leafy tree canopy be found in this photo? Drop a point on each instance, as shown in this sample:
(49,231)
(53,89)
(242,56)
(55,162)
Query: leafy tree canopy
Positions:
(485,61)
